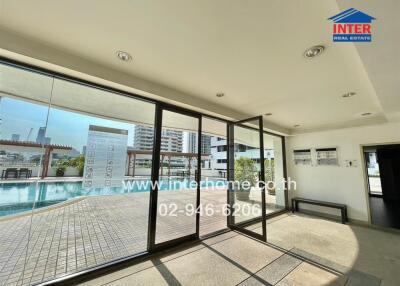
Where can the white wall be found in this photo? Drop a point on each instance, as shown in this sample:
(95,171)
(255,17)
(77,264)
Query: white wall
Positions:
(338,184)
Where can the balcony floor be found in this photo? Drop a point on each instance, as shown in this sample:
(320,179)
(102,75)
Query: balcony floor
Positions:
(88,231)
(302,250)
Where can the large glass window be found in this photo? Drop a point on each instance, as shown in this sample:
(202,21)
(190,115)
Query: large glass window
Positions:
(246,190)
(177,191)
(75,180)
(213,176)
(24,107)
(274,173)
(76,165)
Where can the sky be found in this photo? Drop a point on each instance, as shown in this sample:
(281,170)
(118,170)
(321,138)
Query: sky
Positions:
(63,127)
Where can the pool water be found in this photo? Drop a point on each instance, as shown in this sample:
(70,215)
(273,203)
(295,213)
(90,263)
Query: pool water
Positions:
(20,197)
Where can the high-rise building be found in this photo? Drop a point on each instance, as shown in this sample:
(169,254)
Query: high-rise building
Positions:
(171,140)
(143,137)
(41,138)
(205,143)
(40,135)
(219,153)
(15,137)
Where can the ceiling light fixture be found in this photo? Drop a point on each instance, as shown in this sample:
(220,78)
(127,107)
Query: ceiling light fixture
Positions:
(349,94)
(366,114)
(124,56)
(314,51)
(268,114)
(220,94)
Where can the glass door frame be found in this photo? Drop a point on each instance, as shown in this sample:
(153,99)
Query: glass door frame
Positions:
(240,227)
(155,176)
(83,275)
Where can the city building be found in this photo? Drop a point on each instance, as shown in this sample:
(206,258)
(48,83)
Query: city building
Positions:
(171,140)
(41,137)
(15,137)
(205,143)
(219,153)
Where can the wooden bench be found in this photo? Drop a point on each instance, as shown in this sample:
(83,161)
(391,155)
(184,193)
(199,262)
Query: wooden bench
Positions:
(343,208)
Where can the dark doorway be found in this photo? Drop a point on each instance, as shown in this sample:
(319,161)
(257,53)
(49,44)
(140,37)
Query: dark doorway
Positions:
(383,169)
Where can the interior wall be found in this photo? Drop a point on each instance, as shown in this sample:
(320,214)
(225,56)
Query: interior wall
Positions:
(339,184)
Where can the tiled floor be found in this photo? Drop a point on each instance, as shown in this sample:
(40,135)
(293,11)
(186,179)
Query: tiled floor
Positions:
(78,235)
(81,233)
(228,259)
(302,250)
(93,230)
(348,248)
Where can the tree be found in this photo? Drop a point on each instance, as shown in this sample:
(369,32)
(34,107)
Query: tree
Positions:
(61,167)
(79,163)
(245,171)
(269,166)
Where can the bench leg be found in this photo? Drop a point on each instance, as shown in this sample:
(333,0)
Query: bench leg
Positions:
(344,216)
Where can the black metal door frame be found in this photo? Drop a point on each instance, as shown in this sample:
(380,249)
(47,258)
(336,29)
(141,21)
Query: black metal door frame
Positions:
(94,271)
(155,175)
(231,178)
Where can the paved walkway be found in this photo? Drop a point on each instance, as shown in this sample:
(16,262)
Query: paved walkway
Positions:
(85,232)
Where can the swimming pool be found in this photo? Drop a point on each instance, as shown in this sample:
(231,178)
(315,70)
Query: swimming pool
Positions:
(20,197)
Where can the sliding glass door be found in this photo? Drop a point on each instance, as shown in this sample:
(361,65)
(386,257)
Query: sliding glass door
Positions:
(246,175)
(92,176)
(176,178)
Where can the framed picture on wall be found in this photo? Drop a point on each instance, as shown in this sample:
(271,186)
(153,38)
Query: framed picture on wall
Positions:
(327,156)
(302,157)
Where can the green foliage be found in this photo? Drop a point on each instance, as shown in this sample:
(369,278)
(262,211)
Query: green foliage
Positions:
(245,170)
(36,160)
(61,167)
(79,163)
(269,166)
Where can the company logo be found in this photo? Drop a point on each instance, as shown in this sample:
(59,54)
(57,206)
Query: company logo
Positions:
(352,26)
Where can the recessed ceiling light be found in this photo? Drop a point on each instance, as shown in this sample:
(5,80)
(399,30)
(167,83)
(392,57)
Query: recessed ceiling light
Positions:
(124,56)
(314,51)
(220,94)
(349,94)
(366,114)
(268,114)
(296,125)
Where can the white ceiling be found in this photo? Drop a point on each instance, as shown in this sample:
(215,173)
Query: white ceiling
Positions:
(187,51)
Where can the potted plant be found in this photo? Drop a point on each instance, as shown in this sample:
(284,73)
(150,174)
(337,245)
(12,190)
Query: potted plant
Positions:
(61,167)
(269,166)
(245,171)
(79,163)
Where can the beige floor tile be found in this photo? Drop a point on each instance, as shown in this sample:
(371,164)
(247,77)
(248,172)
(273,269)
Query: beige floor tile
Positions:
(148,277)
(205,267)
(119,273)
(308,275)
(249,253)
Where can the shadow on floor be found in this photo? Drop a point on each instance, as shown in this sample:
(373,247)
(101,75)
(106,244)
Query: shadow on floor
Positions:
(365,255)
